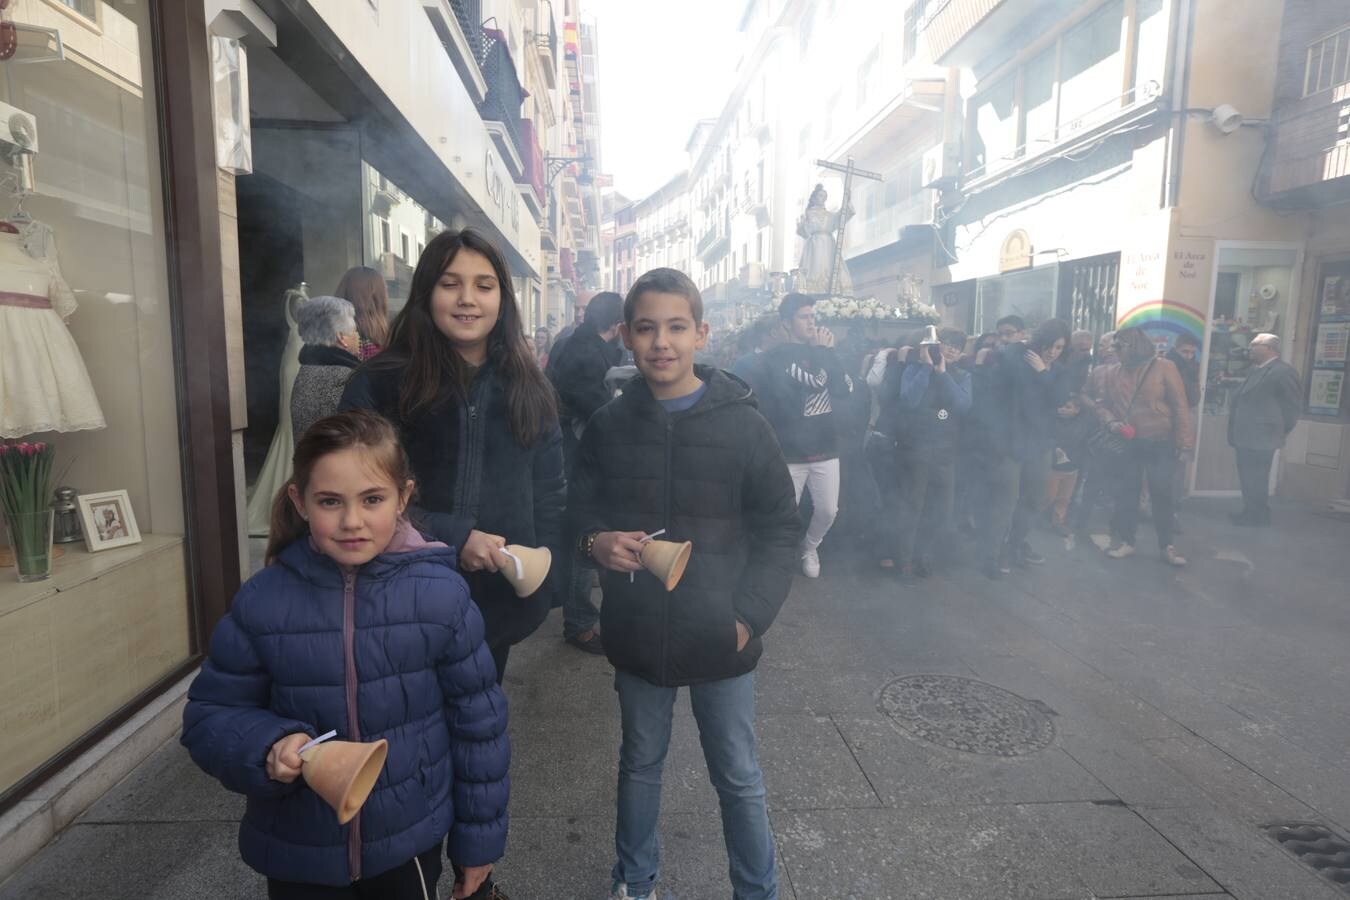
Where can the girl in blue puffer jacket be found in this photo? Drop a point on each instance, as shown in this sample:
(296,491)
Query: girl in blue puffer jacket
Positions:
(360,626)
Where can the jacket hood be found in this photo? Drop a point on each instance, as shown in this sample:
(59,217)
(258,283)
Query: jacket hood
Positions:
(407,547)
(724,388)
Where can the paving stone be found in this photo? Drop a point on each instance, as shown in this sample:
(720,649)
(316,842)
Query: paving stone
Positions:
(564,767)
(806,763)
(573,858)
(1041,851)
(167,787)
(907,772)
(147,861)
(1241,859)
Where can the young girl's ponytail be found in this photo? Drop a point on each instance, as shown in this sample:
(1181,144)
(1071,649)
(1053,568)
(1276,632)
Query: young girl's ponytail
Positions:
(355,428)
(286,525)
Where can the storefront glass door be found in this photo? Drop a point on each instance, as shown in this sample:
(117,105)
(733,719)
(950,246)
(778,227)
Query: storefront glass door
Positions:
(1252,287)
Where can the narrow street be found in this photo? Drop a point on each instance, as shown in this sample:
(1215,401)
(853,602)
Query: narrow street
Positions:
(1134,728)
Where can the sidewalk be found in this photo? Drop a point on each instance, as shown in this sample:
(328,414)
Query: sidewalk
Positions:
(1135,726)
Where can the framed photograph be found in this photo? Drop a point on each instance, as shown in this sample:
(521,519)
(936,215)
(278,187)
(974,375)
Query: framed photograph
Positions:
(108,520)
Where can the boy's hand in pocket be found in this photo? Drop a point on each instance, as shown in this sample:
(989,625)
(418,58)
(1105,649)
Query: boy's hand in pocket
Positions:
(283,762)
(742,636)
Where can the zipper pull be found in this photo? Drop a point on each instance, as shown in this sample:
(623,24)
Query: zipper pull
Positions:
(473,412)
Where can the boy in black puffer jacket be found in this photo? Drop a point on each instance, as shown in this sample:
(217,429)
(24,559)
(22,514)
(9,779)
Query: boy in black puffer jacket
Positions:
(683,452)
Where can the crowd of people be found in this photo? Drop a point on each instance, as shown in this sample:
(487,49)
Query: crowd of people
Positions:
(988,438)
(382,613)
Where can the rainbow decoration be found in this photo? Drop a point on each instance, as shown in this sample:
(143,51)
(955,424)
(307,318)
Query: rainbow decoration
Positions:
(1164,319)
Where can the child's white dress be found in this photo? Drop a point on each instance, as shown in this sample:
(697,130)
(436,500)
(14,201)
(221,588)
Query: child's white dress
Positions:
(44,385)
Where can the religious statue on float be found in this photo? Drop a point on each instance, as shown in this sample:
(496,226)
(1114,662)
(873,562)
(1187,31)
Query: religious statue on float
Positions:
(820,229)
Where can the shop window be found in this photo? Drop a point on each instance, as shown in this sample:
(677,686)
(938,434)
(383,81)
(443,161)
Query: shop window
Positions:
(1029,294)
(1331,343)
(87,275)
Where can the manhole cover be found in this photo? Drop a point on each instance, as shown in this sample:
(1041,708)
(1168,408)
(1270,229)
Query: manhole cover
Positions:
(967,715)
(1317,847)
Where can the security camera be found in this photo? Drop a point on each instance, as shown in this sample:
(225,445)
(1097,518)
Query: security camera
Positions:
(1226,118)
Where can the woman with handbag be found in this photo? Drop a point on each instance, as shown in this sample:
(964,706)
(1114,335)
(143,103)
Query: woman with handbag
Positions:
(1146,421)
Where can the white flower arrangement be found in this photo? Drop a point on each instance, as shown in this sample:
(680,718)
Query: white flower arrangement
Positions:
(851,308)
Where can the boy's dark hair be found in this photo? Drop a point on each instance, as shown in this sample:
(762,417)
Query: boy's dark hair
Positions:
(756,334)
(952,337)
(1015,321)
(663,281)
(1046,333)
(1186,339)
(788,306)
(604,310)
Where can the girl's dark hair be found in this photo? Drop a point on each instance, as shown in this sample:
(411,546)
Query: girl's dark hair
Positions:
(364,288)
(355,428)
(431,367)
(1046,333)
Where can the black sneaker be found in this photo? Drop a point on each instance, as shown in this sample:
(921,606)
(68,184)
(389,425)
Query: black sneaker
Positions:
(588,641)
(1030,556)
(489,890)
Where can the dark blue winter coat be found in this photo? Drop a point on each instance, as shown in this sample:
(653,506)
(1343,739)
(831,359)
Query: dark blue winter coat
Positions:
(391,650)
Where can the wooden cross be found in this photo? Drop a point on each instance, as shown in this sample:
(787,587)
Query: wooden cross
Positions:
(849,171)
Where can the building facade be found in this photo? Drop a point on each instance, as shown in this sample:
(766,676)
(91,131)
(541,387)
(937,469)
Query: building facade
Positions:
(1121,165)
(196,168)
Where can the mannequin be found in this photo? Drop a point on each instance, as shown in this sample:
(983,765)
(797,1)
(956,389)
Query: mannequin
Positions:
(276,470)
(44,385)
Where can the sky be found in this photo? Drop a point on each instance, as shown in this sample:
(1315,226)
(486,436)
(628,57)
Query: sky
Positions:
(663,66)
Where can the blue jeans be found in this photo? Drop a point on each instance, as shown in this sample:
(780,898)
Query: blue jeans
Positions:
(725,712)
(580,613)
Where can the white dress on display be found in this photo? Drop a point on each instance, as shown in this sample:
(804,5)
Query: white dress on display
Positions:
(44,385)
(276,470)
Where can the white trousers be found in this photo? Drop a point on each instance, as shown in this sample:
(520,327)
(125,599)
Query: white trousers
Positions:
(822,480)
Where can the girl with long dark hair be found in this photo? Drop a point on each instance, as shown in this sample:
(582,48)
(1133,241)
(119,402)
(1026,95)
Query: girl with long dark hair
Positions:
(479,421)
(365,290)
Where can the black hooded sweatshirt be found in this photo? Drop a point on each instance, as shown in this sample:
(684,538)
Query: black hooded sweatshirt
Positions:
(713,475)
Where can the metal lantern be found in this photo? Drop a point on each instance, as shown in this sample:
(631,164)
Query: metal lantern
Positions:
(66,528)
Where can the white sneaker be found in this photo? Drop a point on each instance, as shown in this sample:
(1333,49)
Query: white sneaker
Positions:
(810,563)
(620,892)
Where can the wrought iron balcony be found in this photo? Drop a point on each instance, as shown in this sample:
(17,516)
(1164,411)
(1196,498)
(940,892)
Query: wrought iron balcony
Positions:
(504,95)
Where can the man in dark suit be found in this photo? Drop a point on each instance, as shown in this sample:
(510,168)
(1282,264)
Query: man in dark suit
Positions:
(1264,410)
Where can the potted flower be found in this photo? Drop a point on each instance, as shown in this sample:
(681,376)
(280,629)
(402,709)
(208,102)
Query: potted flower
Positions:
(25,490)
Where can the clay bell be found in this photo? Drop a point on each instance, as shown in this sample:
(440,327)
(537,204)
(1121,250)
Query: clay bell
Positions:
(343,773)
(666,560)
(534,566)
